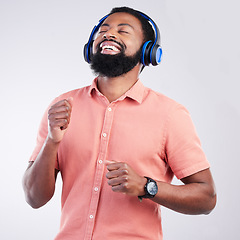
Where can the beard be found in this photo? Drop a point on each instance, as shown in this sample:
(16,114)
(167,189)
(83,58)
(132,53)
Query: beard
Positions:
(114,65)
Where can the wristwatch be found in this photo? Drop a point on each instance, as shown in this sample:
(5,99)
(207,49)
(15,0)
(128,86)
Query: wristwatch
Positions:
(150,189)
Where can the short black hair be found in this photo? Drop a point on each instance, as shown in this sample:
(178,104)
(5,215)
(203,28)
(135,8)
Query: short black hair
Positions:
(148,31)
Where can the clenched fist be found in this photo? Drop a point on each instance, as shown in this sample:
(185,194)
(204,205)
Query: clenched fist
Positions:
(58,119)
(122,178)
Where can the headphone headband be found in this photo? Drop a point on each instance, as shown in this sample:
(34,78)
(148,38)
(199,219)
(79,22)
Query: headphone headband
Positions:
(154,26)
(94,31)
(151,51)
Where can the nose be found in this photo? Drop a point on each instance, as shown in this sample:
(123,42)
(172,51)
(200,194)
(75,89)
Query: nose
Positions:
(109,34)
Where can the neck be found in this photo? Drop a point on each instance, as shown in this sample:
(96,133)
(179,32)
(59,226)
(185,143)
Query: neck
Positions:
(113,88)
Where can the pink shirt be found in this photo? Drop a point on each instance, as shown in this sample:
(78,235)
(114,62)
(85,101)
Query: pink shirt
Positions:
(152,133)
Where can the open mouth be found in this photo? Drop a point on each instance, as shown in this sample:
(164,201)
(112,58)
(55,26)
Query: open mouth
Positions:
(110,47)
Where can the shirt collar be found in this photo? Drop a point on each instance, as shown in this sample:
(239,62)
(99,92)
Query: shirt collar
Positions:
(136,92)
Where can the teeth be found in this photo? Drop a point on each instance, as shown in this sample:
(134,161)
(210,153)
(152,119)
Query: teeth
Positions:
(113,48)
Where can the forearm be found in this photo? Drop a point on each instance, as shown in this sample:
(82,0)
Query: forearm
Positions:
(197,196)
(192,198)
(39,178)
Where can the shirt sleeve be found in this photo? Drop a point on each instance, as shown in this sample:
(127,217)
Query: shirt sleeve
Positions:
(184,153)
(42,135)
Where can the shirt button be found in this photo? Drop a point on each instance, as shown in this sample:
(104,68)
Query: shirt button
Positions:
(91,216)
(100,161)
(96,189)
(104,134)
(109,109)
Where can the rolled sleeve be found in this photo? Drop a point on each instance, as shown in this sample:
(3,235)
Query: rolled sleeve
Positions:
(41,136)
(184,153)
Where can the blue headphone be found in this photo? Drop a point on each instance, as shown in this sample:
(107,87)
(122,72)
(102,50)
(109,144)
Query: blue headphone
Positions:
(151,51)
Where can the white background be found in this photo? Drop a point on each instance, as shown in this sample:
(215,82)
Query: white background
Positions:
(41,45)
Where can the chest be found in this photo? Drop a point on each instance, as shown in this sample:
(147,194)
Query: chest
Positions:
(133,134)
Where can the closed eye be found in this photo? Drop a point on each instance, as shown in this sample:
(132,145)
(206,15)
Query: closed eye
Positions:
(121,31)
(102,32)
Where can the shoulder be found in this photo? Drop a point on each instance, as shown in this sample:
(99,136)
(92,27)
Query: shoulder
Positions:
(75,94)
(162,102)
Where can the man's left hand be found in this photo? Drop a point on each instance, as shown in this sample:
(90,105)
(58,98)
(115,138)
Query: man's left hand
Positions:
(122,178)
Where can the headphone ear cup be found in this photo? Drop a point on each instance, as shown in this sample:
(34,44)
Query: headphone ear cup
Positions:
(87,51)
(85,54)
(146,51)
(156,55)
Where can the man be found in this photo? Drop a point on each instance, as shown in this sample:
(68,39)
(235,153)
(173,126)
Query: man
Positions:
(118,144)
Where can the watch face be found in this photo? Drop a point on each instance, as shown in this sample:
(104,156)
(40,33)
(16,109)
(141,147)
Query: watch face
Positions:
(152,188)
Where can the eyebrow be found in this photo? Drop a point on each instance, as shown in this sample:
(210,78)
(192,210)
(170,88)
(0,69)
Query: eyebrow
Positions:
(119,25)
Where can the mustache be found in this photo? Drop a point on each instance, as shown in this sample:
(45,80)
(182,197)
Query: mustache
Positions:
(123,47)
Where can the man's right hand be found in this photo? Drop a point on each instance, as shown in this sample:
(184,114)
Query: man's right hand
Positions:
(58,119)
